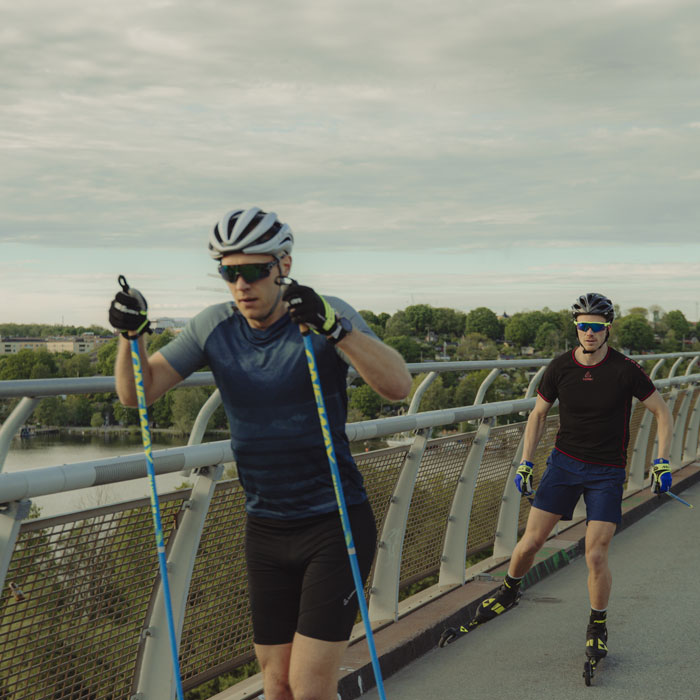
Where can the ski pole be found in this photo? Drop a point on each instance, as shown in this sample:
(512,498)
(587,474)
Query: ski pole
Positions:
(155,506)
(678,498)
(342,508)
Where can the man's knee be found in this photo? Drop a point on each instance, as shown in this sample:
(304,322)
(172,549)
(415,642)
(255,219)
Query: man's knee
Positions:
(597,558)
(318,688)
(531,543)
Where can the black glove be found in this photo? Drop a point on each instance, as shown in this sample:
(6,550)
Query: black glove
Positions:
(128,310)
(311,309)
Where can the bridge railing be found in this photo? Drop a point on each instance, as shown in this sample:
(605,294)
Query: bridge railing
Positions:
(80,611)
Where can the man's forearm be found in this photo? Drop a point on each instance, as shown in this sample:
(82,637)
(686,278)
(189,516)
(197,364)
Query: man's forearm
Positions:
(378,364)
(664,421)
(124,371)
(533,433)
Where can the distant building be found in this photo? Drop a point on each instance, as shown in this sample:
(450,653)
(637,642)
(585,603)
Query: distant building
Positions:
(9,346)
(74,344)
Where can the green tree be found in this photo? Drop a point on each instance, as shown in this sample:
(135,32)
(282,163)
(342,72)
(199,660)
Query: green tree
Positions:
(419,317)
(634,333)
(484,321)
(407,347)
(448,322)
(476,346)
(548,338)
(124,415)
(398,325)
(365,400)
(677,322)
(517,331)
(159,340)
(186,405)
(638,311)
(106,356)
(51,411)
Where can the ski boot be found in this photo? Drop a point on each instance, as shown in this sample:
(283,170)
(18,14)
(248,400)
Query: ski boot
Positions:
(596,648)
(504,599)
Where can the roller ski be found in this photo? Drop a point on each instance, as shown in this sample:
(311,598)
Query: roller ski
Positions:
(596,649)
(505,598)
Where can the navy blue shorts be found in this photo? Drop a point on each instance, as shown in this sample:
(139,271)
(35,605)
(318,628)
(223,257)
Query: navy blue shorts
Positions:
(566,478)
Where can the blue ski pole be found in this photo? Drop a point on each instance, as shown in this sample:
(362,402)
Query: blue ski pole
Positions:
(155,506)
(342,508)
(678,498)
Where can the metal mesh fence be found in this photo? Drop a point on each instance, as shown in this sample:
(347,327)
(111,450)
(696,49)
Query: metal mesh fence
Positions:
(86,581)
(635,421)
(380,470)
(493,472)
(436,481)
(217,632)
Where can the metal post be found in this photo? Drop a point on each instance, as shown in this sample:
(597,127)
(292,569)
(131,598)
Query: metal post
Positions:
(154,655)
(674,367)
(13,423)
(485,386)
(415,401)
(655,369)
(11,517)
(690,451)
(201,422)
(384,592)
(635,476)
(509,514)
(507,528)
(454,553)
(676,453)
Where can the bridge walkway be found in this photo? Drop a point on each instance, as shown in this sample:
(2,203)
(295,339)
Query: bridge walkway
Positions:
(536,650)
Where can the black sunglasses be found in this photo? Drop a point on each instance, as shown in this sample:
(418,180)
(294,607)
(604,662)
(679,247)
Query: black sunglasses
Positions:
(251,272)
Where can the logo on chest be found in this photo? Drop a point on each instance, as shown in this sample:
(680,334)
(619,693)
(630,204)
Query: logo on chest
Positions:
(588,377)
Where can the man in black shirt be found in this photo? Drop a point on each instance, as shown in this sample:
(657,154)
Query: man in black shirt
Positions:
(595,386)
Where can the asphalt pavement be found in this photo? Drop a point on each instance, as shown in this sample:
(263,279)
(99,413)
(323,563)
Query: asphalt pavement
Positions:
(536,650)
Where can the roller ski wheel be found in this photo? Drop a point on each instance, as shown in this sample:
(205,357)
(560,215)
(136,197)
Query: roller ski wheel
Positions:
(596,649)
(503,600)
(589,670)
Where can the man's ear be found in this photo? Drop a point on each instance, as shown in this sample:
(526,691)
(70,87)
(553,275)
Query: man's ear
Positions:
(286,265)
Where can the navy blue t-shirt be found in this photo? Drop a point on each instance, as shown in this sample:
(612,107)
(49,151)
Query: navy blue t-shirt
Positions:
(594,405)
(266,391)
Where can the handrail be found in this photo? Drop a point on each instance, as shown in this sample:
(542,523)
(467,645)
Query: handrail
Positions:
(436,500)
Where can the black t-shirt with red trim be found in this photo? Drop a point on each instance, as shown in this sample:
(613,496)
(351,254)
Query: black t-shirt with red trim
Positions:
(594,405)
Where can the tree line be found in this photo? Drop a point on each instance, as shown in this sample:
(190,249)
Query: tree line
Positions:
(419,332)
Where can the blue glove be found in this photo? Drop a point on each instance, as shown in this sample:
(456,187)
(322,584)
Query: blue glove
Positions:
(661,478)
(523,478)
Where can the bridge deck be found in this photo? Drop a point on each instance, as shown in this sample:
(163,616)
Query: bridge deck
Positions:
(536,650)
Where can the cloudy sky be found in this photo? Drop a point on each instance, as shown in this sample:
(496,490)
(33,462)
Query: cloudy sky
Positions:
(456,153)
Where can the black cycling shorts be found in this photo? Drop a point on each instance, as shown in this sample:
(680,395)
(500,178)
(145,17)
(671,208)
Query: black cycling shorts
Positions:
(299,575)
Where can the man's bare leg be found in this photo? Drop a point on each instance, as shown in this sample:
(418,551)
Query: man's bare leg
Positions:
(539,526)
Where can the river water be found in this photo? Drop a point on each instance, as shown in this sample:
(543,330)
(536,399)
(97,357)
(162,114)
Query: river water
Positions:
(65,448)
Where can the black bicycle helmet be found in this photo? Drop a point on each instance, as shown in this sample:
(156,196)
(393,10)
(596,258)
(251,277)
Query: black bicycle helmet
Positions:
(594,304)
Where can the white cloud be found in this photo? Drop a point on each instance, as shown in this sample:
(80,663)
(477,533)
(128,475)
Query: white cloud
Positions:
(374,126)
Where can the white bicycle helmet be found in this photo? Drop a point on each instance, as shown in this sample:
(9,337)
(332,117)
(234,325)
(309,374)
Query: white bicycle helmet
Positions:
(250,231)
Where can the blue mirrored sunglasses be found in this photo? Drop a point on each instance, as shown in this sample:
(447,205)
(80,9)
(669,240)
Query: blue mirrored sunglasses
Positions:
(595,327)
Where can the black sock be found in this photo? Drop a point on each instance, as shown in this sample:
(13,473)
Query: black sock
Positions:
(512,583)
(599,617)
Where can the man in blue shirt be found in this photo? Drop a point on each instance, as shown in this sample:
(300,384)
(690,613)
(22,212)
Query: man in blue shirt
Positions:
(300,582)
